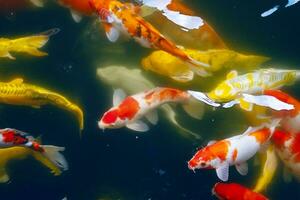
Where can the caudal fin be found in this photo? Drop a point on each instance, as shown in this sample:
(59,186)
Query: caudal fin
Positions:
(53,154)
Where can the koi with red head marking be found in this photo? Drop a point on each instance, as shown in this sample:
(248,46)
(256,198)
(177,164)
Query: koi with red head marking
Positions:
(236,151)
(234,191)
(122,18)
(287,146)
(11,137)
(129,111)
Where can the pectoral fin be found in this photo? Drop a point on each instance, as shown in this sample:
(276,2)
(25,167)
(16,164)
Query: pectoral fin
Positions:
(111,32)
(152,117)
(118,96)
(76,16)
(242,168)
(223,172)
(203,97)
(138,126)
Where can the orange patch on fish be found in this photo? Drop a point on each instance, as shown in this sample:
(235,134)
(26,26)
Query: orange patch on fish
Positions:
(128,108)
(261,135)
(220,149)
(234,154)
(280,137)
(169,93)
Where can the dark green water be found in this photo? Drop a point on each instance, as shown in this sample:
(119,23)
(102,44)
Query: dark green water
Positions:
(116,164)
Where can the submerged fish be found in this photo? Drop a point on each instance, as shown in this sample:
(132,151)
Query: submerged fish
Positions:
(123,18)
(165,64)
(241,89)
(287,148)
(269,165)
(128,111)
(290,118)
(234,191)
(126,79)
(236,151)
(19,153)
(29,44)
(16,92)
(11,137)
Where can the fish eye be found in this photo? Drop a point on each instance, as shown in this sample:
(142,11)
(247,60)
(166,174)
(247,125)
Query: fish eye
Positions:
(202,164)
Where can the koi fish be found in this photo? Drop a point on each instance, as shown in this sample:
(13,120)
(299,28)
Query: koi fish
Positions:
(165,64)
(287,148)
(236,151)
(128,111)
(239,89)
(290,118)
(78,8)
(19,153)
(29,45)
(269,166)
(123,18)
(234,191)
(124,78)
(11,137)
(16,92)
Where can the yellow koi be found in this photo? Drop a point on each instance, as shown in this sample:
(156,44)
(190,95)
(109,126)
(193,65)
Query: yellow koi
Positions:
(16,92)
(165,64)
(20,153)
(268,170)
(29,45)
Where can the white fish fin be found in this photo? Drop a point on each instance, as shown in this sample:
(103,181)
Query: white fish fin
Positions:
(230,104)
(112,33)
(185,21)
(211,142)
(184,77)
(159,5)
(273,125)
(203,97)
(38,3)
(138,126)
(118,96)
(53,154)
(250,129)
(17,81)
(270,11)
(76,16)
(194,108)
(291,2)
(242,168)
(286,175)
(4,177)
(152,117)
(232,74)
(223,172)
(267,101)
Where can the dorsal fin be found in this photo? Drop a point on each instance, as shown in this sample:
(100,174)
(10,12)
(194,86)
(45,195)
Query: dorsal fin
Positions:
(232,74)
(17,81)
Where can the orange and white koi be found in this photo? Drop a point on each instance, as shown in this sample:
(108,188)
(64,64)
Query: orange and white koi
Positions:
(129,111)
(234,191)
(123,18)
(287,146)
(290,118)
(11,137)
(236,151)
(246,90)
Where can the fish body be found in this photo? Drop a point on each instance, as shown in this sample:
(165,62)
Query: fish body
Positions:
(290,118)
(80,6)
(234,191)
(119,18)
(126,79)
(236,151)
(288,149)
(165,64)
(11,137)
(128,111)
(29,45)
(16,92)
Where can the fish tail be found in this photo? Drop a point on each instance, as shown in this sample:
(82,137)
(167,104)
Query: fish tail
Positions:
(53,154)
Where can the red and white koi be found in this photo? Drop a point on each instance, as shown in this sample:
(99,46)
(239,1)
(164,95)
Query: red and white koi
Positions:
(287,146)
(129,111)
(234,191)
(236,151)
(11,137)
(122,18)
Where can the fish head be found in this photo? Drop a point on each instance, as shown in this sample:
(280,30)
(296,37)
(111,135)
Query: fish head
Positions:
(11,137)
(111,120)
(222,93)
(201,160)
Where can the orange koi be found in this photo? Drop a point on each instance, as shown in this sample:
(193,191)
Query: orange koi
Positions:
(234,191)
(123,18)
